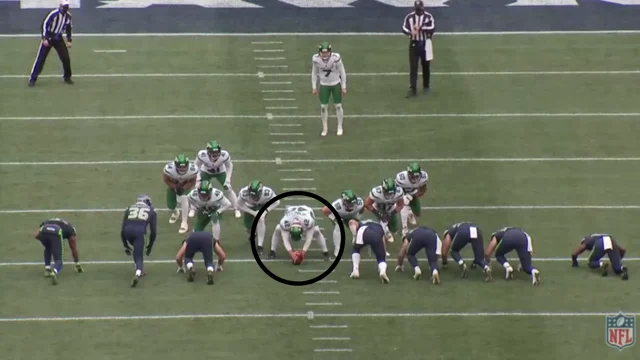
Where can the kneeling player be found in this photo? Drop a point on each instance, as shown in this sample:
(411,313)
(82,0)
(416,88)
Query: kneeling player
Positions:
(349,207)
(134,230)
(298,223)
(601,245)
(415,240)
(203,242)
(508,239)
(69,234)
(50,235)
(372,234)
(456,237)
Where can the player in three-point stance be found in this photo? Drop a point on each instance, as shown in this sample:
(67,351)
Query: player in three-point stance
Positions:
(200,242)
(68,233)
(134,231)
(251,199)
(298,223)
(601,245)
(372,234)
(455,238)
(508,239)
(349,207)
(214,162)
(328,67)
(415,240)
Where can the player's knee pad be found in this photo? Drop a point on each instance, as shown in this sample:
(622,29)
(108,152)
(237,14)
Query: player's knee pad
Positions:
(338,107)
(324,108)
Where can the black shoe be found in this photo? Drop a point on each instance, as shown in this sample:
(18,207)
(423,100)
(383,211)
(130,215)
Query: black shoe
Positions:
(326,255)
(260,251)
(411,93)
(272,254)
(32,83)
(209,277)
(625,273)
(192,275)
(68,81)
(426,91)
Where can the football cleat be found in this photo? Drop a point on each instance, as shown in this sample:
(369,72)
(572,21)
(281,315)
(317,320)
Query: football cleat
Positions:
(272,254)
(508,273)
(417,273)
(535,277)
(355,274)
(209,277)
(326,256)
(184,227)
(465,271)
(134,281)
(260,250)
(487,274)
(435,277)
(625,273)
(192,213)
(387,253)
(384,278)
(605,268)
(180,270)
(238,214)
(404,231)
(399,268)
(192,275)
(412,219)
(339,132)
(323,133)
(54,278)
(47,272)
(174,216)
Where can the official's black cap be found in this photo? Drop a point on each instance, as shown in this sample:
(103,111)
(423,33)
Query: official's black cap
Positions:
(418,4)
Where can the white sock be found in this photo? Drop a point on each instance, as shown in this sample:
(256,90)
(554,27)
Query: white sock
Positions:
(336,239)
(404,215)
(355,258)
(210,268)
(339,115)
(232,197)
(184,208)
(215,229)
(324,116)
(321,240)
(416,269)
(189,265)
(138,272)
(261,229)
(434,272)
(274,240)
(47,267)
(382,267)
(506,265)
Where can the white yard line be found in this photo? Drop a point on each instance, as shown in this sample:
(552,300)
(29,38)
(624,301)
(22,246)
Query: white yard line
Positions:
(311,271)
(272,66)
(286,134)
(109,51)
(266,42)
(281,107)
(302,188)
(288,143)
(332,350)
(274,58)
(321,292)
(278,91)
(268,51)
(275,82)
(296,170)
(290,151)
(285,125)
(279,99)
(328,326)
(323,304)
(317,315)
(297,179)
(321,281)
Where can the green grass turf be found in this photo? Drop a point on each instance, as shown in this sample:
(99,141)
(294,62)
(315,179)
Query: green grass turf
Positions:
(351,161)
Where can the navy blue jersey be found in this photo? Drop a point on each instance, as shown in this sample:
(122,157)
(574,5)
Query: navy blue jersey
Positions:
(500,233)
(590,241)
(453,229)
(374,226)
(67,229)
(421,233)
(138,216)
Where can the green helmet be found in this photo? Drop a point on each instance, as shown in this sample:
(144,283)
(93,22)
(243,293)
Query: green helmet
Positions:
(324,50)
(388,187)
(255,190)
(181,163)
(414,171)
(213,149)
(205,189)
(296,232)
(349,199)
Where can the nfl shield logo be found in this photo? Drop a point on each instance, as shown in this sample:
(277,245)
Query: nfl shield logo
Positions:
(620,331)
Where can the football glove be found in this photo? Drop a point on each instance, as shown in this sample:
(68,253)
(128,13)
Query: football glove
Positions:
(127,251)
(574,261)
(148,250)
(179,191)
(180,269)
(79,268)
(399,268)
(407,199)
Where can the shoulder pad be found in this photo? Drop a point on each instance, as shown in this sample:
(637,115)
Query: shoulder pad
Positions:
(315,57)
(202,154)
(336,56)
(360,201)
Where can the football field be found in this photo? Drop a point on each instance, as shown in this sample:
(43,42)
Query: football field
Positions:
(536,131)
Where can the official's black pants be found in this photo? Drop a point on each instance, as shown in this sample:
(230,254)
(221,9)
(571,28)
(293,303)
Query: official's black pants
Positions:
(417,54)
(43,52)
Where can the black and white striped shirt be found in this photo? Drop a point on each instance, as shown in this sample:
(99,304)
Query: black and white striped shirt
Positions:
(426,22)
(54,24)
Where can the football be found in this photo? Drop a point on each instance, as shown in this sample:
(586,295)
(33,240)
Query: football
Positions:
(298,257)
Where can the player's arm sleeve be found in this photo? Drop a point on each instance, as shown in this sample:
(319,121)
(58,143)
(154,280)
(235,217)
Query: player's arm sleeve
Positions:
(314,76)
(273,206)
(343,76)
(198,162)
(224,204)
(242,206)
(308,238)
(405,26)
(69,26)
(286,240)
(124,222)
(429,26)
(153,225)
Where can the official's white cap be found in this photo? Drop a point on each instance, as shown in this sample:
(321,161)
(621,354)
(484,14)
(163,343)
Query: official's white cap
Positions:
(64,2)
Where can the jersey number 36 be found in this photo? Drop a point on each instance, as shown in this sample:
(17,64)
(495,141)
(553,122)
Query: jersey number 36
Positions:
(138,214)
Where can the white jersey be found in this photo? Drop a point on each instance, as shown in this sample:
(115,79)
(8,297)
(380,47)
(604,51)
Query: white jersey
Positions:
(217,201)
(205,164)
(331,72)
(409,188)
(345,214)
(171,171)
(299,215)
(266,195)
(382,203)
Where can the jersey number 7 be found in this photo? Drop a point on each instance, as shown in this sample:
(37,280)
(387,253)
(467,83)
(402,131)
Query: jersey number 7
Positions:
(327,73)
(138,214)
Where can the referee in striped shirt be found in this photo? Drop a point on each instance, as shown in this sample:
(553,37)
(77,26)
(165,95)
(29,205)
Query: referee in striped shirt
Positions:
(419,25)
(57,22)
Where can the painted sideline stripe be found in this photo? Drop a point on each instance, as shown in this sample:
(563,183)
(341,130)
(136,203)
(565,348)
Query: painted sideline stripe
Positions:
(395,34)
(356,116)
(488,207)
(332,350)
(243,261)
(445,73)
(432,160)
(316,315)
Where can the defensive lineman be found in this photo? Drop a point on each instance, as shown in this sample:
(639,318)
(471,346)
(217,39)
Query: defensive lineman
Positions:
(415,240)
(349,207)
(328,66)
(134,230)
(456,237)
(413,182)
(251,199)
(68,233)
(214,162)
(180,177)
(601,245)
(385,201)
(298,223)
(203,242)
(372,234)
(209,203)
(508,239)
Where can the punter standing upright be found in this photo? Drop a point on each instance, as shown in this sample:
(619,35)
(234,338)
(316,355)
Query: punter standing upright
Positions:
(327,66)
(57,22)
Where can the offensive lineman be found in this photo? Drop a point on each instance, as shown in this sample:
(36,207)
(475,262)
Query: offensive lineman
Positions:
(68,233)
(508,239)
(413,182)
(209,203)
(251,199)
(415,240)
(134,230)
(203,242)
(180,177)
(372,234)
(214,162)
(298,223)
(349,207)
(328,66)
(384,201)
(456,237)
(601,245)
